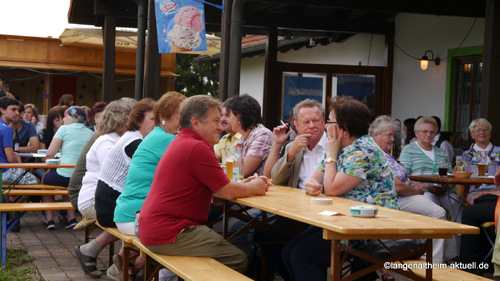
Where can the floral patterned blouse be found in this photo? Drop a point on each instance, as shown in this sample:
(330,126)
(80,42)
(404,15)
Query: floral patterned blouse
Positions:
(493,151)
(363,159)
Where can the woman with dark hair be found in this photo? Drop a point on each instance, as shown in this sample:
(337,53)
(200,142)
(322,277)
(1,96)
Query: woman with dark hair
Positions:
(408,128)
(31,115)
(66,100)
(354,168)
(97,110)
(115,167)
(54,121)
(245,118)
(70,138)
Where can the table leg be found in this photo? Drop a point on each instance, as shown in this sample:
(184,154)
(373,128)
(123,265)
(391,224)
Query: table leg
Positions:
(335,266)
(428,259)
(4,239)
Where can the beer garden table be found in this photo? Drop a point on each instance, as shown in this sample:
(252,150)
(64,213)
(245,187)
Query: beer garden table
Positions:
(294,204)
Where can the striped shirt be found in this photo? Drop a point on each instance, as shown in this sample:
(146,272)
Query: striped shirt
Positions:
(416,162)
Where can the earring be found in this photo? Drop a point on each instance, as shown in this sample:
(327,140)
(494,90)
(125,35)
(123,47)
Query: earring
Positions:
(163,122)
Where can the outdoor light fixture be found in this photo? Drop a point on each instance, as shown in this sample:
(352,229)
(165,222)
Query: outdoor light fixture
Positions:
(312,42)
(424,61)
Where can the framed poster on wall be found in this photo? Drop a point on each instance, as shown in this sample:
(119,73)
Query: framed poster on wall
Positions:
(299,88)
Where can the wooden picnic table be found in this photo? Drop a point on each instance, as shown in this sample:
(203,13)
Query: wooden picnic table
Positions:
(294,204)
(35,165)
(451,181)
(24,207)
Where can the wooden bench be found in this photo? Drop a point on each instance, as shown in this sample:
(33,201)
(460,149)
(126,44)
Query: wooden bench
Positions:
(23,208)
(126,245)
(440,272)
(32,186)
(186,268)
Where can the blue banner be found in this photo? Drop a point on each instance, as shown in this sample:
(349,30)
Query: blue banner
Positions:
(297,89)
(180,25)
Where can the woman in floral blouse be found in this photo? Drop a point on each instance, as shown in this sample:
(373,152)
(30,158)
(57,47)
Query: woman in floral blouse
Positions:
(354,168)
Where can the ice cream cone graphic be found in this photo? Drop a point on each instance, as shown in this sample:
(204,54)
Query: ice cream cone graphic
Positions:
(177,49)
(185,34)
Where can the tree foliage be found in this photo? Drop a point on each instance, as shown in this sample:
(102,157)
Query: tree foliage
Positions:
(195,77)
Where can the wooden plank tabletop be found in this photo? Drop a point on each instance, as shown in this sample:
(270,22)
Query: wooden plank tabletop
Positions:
(34,186)
(36,165)
(6,207)
(293,203)
(30,192)
(452,179)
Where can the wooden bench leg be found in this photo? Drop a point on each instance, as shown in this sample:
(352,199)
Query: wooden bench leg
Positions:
(4,238)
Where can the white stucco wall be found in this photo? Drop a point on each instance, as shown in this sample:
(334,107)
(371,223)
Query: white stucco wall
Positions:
(252,70)
(415,92)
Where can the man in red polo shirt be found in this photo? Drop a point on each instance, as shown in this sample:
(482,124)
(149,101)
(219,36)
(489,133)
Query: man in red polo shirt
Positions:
(173,216)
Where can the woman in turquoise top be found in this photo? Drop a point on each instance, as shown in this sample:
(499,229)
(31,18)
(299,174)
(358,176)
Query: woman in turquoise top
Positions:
(145,160)
(354,168)
(69,139)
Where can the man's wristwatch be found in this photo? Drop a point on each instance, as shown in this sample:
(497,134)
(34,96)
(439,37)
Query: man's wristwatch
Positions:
(330,160)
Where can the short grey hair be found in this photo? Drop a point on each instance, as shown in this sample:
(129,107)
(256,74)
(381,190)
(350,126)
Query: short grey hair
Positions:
(307,103)
(380,124)
(425,119)
(196,106)
(480,121)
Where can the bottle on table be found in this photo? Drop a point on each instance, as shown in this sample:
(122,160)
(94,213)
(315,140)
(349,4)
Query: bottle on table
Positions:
(15,141)
(474,168)
(497,162)
(492,166)
(238,169)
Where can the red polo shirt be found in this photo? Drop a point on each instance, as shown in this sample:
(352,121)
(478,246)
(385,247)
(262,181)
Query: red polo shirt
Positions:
(185,179)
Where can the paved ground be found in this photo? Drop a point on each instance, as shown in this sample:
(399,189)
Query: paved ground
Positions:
(54,250)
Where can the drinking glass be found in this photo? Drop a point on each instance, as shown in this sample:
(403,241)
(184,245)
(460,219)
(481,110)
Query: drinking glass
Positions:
(482,163)
(229,161)
(443,168)
(460,161)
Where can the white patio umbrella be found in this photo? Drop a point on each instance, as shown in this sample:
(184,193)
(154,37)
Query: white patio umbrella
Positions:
(125,38)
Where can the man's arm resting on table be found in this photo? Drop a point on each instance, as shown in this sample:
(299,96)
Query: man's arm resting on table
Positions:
(9,153)
(34,144)
(233,190)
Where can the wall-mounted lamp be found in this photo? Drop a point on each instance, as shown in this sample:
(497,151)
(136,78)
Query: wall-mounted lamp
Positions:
(312,42)
(424,61)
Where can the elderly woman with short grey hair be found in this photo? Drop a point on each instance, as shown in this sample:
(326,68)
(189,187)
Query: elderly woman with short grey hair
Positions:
(410,193)
(482,200)
(422,158)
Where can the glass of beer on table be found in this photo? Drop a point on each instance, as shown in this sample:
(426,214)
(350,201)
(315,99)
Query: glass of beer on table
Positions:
(482,163)
(229,161)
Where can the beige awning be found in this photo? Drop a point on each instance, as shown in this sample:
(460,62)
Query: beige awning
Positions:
(124,39)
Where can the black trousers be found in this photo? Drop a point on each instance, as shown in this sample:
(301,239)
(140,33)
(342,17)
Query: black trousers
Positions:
(474,248)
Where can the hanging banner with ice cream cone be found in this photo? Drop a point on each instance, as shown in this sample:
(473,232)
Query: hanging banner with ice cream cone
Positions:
(180,25)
